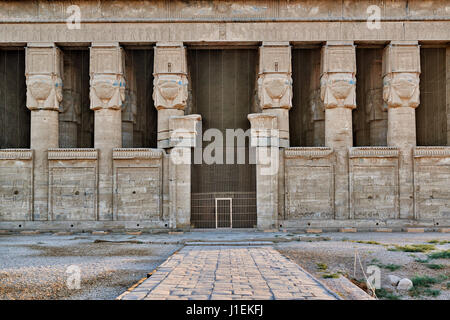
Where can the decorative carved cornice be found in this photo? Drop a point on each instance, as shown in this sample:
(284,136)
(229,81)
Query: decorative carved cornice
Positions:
(431,152)
(373,152)
(307,152)
(16,154)
(137,153)
(72,154)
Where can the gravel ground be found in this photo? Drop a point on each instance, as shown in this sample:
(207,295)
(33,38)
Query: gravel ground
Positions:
(338,254)
(34,267)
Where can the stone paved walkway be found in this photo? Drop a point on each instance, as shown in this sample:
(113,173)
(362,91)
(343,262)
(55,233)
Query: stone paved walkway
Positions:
(225,272)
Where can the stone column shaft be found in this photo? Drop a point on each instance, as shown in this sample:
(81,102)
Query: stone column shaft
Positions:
(183,137)
(107,94)
(265,140)
(338,93)
(401,70)
(44,94)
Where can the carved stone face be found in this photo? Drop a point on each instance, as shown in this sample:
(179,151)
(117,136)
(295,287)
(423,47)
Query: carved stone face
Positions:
(170,91)
(275,86)
(338,90)
(103,88)
(275,91)
(40,87)
(405,86)
(401,90)
(168,88)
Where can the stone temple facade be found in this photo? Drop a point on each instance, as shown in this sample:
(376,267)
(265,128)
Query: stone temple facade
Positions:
(351,99)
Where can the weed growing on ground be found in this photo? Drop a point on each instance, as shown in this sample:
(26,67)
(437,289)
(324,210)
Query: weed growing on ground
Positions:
(427,281)
(440,255)
(414,248)
(439,241)
(383,293)
(435,266)
(322,266)
(330,276)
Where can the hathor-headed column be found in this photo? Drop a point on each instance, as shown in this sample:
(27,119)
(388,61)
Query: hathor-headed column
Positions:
(338,93)
(275,84)
(401,70)
(107,95)
(44,94)
(170,82)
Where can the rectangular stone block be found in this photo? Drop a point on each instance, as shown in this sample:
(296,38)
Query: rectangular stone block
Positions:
(73,181)
(347,230)
(313,230)
(383,230)
(16,184)
(444,230)
(309,183)
(431,183)
(414,230)
(374,186)
(137,184)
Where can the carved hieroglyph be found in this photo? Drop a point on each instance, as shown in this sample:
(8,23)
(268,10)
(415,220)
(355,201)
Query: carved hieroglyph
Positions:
(43,77)
(275,84)
(170,92)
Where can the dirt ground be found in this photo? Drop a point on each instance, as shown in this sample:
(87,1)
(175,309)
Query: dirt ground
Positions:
(31,270)
(336,258)
(36,266)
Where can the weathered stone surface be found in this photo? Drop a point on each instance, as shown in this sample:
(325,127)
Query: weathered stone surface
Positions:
(398,186)
(374,189)
(138,184)
(73,180)
(309,183)
(16,184)
(404,284)
(394,280)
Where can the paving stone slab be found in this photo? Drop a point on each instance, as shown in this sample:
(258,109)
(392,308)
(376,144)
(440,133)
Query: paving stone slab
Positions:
(229,272)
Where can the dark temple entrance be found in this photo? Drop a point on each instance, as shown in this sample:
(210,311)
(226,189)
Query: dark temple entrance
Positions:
(223,89)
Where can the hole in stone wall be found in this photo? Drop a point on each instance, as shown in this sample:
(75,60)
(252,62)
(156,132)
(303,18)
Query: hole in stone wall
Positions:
(369,117)
(16,192)
(431,114)
(14,115)
(307,116)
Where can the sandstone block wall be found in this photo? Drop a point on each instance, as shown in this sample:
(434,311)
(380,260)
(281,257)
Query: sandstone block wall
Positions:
(16,184)
(329,118)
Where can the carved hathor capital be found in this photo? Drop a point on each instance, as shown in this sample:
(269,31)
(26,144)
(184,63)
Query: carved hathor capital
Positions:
(274,77)
(401,71)
(43,76)
(107,80)
(170,76)
(338,80)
